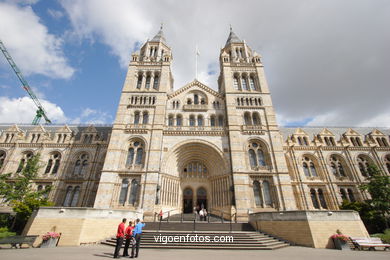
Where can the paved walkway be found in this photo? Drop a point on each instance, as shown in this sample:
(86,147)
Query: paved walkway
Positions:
(105,252)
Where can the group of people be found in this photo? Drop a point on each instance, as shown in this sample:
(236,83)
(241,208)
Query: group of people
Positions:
(202,212)
(132,233)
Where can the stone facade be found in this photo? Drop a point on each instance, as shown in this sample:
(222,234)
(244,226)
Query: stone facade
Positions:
(172,150)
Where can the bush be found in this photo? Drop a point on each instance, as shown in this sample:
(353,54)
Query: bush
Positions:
(384,236)
(4,232)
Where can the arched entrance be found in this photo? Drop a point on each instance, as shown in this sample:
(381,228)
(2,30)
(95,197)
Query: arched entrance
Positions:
(201,197)
(187,200)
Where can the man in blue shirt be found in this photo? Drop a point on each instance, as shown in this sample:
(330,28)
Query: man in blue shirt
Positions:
(137,232)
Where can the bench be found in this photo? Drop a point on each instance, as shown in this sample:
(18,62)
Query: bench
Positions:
(371,243)
(18,240)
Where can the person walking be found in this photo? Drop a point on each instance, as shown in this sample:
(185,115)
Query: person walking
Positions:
(201,214)
(137,232)
(129,238)
(119,238)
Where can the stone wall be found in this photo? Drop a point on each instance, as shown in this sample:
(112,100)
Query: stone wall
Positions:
(309,228)
(77,225)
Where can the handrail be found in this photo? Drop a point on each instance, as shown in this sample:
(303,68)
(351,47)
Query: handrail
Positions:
(158,213)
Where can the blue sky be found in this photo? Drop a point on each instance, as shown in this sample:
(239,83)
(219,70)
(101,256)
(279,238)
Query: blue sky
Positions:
(326,62)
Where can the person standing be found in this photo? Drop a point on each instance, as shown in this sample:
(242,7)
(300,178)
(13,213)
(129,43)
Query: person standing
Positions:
(119,238)
(201,214)
(129,238)
(137,232)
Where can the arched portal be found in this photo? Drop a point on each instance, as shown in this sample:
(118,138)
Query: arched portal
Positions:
(201,173)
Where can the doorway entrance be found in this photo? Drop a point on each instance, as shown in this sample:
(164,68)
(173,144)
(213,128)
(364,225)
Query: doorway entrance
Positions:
(187,200)
(201,198)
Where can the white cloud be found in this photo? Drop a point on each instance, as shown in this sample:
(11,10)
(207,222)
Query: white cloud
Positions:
(56,14)
(32,47)
(23,110)
(92,116)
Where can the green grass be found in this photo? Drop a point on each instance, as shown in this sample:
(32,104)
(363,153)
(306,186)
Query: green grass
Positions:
(384,236)
(5,233)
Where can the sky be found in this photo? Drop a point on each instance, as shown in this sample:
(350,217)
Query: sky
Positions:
(326,61)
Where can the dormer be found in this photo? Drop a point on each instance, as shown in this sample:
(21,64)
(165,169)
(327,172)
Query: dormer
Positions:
(89,135)
(37,135)
(300,137)
(353,138)
(10,135)
(378,138)
(63,135)
(326,137)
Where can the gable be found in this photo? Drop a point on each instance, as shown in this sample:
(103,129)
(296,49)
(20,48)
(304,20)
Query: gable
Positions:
(195,86)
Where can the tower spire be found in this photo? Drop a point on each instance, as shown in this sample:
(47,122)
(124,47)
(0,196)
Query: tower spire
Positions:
(233,38)
(159,37)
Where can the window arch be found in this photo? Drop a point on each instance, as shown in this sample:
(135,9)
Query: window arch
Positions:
(309,167)
(314,200)
(220,120)
(343,194)
(53,163)
(134,190)
(212,120)
(194,169)
(124,191)
(139,81)
(68,196)
(267,193)
(200,120)
(257,193)
(336,164)
(247,118)
(363,163)
(25,158)
(318,198)
(235,83)
(75,197)
(81,164)
(179,120)
(170,120)
(256,118)
(147,83)
(350,195)
(244,83)
(145,117)
(192,120)
(156,81)
(252,83)
(256,153)
(136,117)
(196,99)
(2,158)
(321,197)
(136,149)
(387,163)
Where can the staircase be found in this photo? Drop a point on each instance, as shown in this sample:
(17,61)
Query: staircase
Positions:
(241,237)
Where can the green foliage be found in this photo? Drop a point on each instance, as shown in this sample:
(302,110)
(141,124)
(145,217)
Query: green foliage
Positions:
(384,236)
(18,192)
(4,232)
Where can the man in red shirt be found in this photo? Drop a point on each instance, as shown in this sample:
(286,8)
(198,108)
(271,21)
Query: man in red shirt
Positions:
(129,237)
(119,237)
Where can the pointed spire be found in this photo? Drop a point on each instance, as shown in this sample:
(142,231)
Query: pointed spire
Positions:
(159,36)
(233,38)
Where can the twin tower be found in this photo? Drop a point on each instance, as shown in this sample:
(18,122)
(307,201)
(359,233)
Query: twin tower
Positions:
(173,150)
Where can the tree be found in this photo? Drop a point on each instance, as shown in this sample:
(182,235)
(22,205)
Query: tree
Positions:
(17,191)
(379,189)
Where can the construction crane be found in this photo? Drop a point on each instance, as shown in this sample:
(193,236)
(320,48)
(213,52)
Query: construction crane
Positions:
(40,111)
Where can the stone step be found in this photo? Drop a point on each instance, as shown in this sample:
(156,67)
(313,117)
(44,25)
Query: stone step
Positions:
(199,226)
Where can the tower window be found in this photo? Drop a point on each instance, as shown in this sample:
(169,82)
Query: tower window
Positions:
(252,83)
(139,82)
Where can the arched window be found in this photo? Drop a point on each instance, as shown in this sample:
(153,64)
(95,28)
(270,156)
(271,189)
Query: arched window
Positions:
(363,165)
(136,148)
(256,153)
(75,197)
(156,82)
(68,196)
(25,158)
(170,120)
(192,120)
(247,118)
(267,193)
(322,199)
(220,120)
(136,117)
(54,160)
(81,165)
(309,167)
(243,83)
(2,158)
(145,118)
(124,191)
(134,192)
(147,84)
(337,166)
(139,81)
(194,169)
(212,120)
(235,83)
(252,158)
(252,83)
(314,199)
(257,193)
(200,120)
(179,120)
(256,118)
(196,99)
(351,196)
(343,194)
(387,162)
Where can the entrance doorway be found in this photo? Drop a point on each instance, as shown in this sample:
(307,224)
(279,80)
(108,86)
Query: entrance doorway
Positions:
(201,198)
(187,200)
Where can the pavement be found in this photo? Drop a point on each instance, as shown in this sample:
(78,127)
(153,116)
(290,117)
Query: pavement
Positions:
(104,252)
